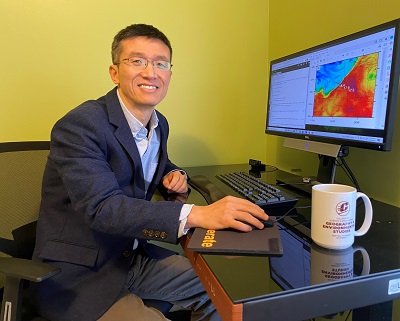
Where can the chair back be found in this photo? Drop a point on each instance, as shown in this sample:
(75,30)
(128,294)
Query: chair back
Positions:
(21,171)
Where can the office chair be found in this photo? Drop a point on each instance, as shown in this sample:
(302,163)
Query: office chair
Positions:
(21,170)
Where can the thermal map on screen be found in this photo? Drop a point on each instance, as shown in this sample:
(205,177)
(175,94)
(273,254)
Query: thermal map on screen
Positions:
(346,88)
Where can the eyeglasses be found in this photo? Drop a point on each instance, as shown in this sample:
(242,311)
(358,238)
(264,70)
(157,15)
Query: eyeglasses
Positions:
(141,63)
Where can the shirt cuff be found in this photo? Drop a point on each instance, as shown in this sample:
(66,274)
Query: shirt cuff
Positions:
(185,211)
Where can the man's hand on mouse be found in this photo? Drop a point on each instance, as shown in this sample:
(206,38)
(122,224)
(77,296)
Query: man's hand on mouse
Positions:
(228,212)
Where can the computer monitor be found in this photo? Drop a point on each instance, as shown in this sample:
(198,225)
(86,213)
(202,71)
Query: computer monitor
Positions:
(343,92)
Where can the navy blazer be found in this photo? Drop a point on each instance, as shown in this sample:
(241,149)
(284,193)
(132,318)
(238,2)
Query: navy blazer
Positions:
(93,207)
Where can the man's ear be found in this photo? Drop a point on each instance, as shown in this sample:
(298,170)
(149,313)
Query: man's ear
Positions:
(114,74)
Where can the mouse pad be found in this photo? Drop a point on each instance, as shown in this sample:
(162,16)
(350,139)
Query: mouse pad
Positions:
(265,242)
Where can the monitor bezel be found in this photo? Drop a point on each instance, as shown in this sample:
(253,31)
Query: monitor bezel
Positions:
(393,99)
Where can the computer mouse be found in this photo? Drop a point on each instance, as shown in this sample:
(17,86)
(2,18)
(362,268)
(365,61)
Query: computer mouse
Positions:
(268,223)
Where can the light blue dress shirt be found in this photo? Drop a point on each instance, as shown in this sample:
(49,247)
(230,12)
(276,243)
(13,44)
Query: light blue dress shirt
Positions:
(148,144)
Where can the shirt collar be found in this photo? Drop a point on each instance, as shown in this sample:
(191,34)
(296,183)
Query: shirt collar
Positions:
(139,131)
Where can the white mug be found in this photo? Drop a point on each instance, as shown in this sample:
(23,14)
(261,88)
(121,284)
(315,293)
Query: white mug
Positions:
(332,265)
(333,211)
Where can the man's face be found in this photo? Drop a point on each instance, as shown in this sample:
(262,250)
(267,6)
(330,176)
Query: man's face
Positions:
(141,89)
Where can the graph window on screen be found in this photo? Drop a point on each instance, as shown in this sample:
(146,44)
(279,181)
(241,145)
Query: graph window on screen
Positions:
(343,92)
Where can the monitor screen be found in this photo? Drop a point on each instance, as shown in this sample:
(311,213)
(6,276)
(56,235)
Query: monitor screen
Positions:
(342,92)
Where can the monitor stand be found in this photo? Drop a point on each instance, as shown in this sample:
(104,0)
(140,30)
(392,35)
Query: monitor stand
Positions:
(296,183)
(326,174)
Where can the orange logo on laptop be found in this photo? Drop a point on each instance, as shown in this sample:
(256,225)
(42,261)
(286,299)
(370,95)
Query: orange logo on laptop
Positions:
(209,239)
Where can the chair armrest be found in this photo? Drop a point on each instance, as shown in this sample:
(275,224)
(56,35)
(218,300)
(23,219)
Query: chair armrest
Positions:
(16,271)
(26,269)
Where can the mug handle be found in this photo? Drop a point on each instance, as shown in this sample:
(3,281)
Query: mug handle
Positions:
(366,261)
(368,215)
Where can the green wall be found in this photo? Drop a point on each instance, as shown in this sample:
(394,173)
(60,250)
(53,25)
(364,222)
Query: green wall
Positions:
(297,25)
(55,54)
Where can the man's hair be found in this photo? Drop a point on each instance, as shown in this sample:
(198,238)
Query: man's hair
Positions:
(133,31)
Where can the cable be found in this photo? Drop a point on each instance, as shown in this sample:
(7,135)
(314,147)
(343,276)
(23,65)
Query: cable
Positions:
(353,178)
(348,314)
(281,217)
(271,168)
(341,162)
(293,208)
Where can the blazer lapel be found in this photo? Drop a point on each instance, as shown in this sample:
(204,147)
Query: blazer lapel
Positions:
(124,136)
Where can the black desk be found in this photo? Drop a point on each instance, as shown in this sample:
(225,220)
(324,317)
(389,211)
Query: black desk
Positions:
(291,287)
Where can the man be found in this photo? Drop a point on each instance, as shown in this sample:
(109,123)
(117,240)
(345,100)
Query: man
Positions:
(106,159)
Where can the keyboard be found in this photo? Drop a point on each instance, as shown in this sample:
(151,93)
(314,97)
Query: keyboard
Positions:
(257,191)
